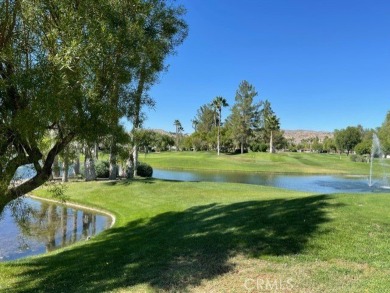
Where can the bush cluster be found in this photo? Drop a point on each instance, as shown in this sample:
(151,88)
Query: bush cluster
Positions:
(102,169)
(144,170)
(259,147)
(358,158)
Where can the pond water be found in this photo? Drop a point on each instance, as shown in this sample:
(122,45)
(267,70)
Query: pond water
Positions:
(309,183)
(28,171)
(29,227)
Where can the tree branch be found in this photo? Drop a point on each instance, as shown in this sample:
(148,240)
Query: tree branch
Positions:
(43,174)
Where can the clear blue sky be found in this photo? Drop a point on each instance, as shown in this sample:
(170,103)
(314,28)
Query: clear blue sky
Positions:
(323,64)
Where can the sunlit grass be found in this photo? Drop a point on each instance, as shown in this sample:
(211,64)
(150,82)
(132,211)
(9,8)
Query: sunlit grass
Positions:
(201,237)
(308,163)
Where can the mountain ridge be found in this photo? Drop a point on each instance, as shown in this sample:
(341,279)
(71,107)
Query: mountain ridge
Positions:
(296,135)
(300,134)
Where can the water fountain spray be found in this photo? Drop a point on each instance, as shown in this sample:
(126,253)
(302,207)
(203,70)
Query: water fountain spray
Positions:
(376,152)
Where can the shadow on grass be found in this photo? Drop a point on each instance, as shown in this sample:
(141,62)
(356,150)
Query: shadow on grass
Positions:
(175,250)
(126,182)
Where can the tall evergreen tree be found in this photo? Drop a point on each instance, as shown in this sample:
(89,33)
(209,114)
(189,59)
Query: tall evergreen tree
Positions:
(243,118)
(269,123)
(205,128)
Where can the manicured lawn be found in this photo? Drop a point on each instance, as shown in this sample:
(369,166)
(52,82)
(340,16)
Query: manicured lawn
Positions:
(258,162)
(201,237)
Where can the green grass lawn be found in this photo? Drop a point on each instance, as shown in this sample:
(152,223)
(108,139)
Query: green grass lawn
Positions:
(219,237)
(309,163)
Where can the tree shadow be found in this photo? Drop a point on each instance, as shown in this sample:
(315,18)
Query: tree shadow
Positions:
(126,182)
(175,250)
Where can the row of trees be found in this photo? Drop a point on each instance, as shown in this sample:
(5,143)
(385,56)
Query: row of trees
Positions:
(359,140)
(255,126)
(251,124)
(69,70)
(145,140)
(352,139)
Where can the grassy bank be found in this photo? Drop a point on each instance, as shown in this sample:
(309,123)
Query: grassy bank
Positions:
(308,163)
(186,236)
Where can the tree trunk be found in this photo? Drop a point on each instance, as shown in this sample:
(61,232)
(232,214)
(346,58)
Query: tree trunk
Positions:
(56,168)
(113,167)
(113,164)
(77,165)
(122,170)
(242,147)
(89,166)
(135,160)
(219,129)
(137,120)
(130,167)
(271,144)
(177,138)
(65,170)
(96,151)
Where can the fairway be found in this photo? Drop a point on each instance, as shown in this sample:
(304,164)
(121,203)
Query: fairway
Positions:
(186,236)
(304,163)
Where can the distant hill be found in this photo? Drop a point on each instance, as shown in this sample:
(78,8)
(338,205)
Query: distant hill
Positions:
(161,131)
(298,135)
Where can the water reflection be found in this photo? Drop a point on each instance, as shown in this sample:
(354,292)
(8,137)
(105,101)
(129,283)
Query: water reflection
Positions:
(30,227)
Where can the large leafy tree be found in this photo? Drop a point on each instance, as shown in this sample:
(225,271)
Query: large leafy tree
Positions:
(384,134)
(64,71)
(44,78)
(203,138)
(346,139)
(244,113)
(163,30)
(365,146)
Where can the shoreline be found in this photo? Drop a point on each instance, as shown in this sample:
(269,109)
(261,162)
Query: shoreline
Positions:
(78,206)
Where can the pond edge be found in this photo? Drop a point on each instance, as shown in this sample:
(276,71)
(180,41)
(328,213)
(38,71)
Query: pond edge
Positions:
(79,206)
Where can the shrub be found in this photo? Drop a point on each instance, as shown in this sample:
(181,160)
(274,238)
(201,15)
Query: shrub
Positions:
(238,151)
(144,170)
(102,169)
(259,147)
(357,158)
(363,148)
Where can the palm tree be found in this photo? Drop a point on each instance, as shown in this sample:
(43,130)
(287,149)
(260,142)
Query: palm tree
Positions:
(273,125)
(218,103)
(195,123)
(179,128)
(270,123)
